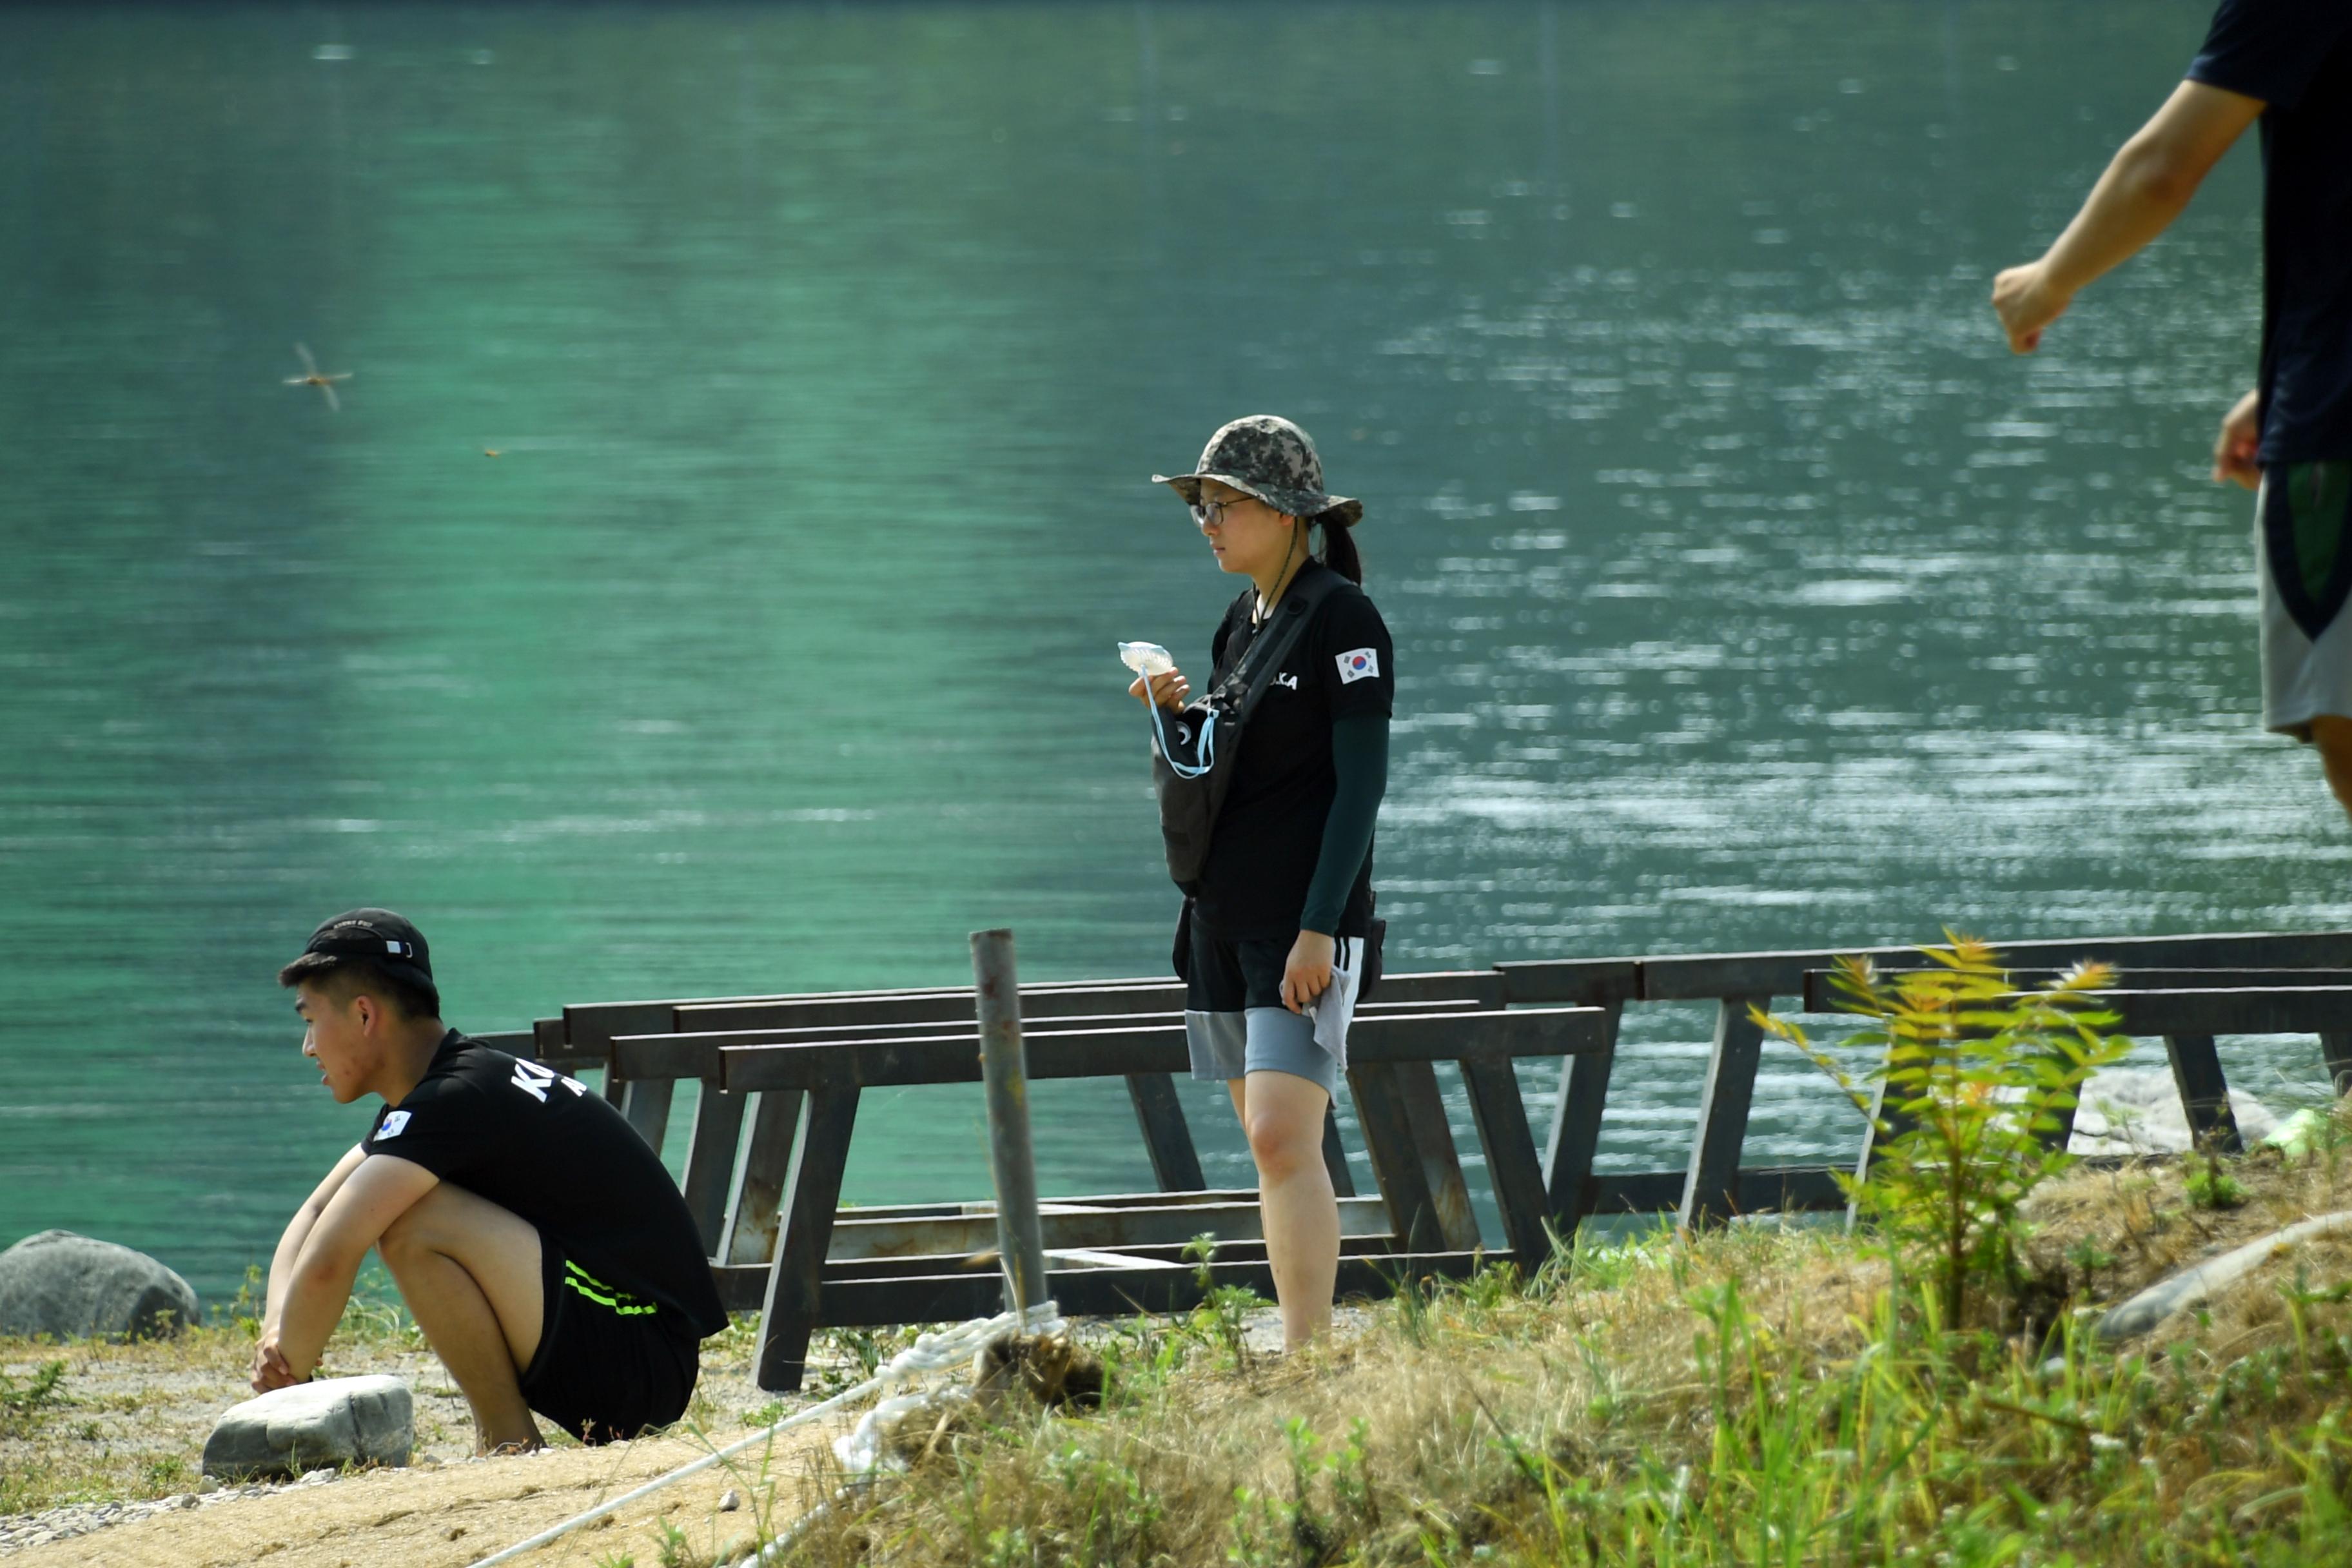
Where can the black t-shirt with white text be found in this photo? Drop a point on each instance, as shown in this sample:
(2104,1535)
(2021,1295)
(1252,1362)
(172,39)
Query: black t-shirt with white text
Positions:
(2296,55)
(1269,831)
(543,1146)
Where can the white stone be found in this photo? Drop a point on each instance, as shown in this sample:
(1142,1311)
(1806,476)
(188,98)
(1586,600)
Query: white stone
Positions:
(2136,1111)
(339,1421)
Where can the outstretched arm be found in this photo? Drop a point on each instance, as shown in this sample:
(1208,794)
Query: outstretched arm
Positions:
(2147,186)
(308,1289)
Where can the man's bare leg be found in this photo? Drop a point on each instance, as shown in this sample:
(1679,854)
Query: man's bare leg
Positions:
(470,1271)
(2332,735)
(1283,1115)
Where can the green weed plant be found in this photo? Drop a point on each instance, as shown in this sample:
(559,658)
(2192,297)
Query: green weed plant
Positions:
(1974,1084)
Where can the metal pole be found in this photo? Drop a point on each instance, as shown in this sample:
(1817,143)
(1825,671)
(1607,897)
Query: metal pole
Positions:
(1020,1239)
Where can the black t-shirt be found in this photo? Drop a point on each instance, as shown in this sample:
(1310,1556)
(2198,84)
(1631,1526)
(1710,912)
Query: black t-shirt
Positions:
(540,1145)
(1269,830)
(2296,57)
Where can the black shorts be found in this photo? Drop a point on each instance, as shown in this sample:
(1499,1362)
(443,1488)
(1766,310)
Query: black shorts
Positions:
(609,1364)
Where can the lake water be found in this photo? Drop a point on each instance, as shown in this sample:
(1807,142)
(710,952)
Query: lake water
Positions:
(1746,592)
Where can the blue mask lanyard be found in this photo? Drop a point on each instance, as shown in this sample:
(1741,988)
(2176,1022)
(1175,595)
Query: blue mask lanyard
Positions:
(1183,770)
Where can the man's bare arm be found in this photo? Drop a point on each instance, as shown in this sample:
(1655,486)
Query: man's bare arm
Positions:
(317,1281)
(2146,186)
(290,1245)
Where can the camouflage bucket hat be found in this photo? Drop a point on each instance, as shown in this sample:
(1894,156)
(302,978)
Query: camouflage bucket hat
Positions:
(1271,459)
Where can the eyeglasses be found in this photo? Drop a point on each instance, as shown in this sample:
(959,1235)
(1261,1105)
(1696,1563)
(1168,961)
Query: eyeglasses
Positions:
(1208,513)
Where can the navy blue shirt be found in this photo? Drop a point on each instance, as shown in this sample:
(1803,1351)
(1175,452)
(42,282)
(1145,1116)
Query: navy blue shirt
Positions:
(2296,57)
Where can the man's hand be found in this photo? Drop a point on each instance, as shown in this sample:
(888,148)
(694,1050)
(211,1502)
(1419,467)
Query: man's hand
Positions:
(2022,298)
(1307,973)
(2233,448)
(1170,690)
(270,1370)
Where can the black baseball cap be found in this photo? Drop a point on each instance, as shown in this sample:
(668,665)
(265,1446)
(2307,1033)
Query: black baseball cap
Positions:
(381,937)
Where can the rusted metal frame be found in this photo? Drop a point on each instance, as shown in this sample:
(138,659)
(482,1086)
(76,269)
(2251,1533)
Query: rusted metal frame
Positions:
(788,1311)
(1513,1166)
(1711,1190)
(2204,1094)
(710,1161)
(1167,1140)
(755,1196)
(1703,976)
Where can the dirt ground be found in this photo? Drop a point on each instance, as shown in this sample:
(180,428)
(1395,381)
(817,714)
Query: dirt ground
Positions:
(127,1425)
(448,1515)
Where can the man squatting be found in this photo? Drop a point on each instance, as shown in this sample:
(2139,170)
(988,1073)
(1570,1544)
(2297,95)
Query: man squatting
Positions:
(2287,63)
(534,1237)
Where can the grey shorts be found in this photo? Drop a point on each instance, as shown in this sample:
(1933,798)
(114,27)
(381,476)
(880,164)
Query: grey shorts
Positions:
(2303,557)
(1237,1025)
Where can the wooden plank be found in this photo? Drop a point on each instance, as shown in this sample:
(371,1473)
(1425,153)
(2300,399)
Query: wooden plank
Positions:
(2269,1010)
(1512,1164)
(695,1053)
(1433,1142)
(645,1105)
(1821,994)
(1396,1163)
(1763,1189)
(1087,1292)
(514,1042)
(1152,1047)
(710,1162)
(856,1234)
(1711,1192)
(755,1199)
(790,1311)
(1583,982)
(1335,1153)
(1167,1140)
(1166,1255)
(2204,1093)
(1575,1135)
(2335,1050)
(1707,976)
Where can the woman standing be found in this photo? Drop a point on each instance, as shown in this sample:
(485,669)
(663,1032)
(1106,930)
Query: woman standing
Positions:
(1285,900)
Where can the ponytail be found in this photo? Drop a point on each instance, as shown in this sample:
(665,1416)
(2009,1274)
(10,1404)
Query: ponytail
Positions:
(1339,551)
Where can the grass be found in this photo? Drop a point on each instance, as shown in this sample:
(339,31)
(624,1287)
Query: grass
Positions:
(1755,1395)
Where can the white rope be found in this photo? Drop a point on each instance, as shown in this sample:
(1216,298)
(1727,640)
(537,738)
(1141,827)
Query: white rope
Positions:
(929,1353)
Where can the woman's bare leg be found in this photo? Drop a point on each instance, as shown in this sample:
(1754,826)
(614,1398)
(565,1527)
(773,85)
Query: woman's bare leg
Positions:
(1283,1116)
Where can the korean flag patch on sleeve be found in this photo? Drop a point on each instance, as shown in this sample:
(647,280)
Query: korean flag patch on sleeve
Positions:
(1359,664)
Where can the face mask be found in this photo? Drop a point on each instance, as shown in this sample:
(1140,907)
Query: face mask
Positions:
(1148,660)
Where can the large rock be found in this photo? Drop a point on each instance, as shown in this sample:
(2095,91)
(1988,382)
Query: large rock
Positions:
(72,1285)
(338,1421)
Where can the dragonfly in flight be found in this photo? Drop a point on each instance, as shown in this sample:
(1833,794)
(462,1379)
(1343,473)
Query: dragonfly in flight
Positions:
(311,376)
